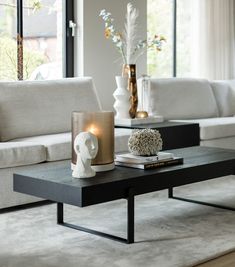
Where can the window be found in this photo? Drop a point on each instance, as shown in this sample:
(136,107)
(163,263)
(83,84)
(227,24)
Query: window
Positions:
(35,39)
(8,45)
(160,21)
(173,19)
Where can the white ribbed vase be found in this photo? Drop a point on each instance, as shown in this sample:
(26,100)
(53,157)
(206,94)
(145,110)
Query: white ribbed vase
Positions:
(122,98)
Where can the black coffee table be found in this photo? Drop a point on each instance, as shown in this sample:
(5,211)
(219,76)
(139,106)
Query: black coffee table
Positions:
(200,164)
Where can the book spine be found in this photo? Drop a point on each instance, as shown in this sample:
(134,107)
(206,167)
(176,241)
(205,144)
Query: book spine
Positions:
(163,163)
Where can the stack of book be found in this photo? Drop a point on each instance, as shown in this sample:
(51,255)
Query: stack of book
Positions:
(149,162)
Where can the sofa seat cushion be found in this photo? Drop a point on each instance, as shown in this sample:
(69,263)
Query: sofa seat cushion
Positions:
(182,98)
(14,154)
(58,146)
(226,142)
(213,128)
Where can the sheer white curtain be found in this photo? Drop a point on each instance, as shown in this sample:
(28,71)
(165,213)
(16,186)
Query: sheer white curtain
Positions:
(213,46)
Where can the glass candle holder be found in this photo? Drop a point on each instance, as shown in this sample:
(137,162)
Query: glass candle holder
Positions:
(101,124)
(143,94)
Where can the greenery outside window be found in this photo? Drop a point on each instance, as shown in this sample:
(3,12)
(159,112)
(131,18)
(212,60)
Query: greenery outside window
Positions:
(34,39)
(173,19)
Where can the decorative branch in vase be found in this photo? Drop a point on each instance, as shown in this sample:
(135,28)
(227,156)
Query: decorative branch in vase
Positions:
(130,48)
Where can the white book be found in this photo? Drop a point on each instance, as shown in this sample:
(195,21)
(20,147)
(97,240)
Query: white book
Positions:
(130,158)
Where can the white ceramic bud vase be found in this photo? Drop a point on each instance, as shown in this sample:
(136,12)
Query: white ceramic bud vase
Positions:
(122,98)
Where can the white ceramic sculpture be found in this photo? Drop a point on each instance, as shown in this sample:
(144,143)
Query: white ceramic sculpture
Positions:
(122,97)
(86,148)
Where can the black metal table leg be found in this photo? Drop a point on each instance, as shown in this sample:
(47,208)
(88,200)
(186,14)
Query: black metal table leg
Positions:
(204,203)
(170,192)
(130,221)
(131,217)
(60,213)
(170,195)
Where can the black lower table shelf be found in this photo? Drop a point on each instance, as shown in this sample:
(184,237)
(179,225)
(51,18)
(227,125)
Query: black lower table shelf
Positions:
(174,134)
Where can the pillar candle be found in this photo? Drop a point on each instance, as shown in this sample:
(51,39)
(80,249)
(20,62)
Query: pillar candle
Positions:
(101,124)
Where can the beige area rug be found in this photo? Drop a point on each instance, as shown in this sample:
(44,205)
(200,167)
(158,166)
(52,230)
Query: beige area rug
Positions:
(169,233)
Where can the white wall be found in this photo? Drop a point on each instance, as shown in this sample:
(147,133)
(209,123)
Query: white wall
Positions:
(97,56)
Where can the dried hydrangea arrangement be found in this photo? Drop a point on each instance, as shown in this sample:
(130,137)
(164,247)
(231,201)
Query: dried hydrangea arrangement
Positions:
(145,142)
(126,41)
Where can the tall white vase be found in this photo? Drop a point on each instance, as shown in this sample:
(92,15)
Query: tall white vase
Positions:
(122,98)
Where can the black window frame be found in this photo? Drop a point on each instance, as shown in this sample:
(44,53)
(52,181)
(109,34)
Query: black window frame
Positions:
(69,39)
(68,62)
(174,52)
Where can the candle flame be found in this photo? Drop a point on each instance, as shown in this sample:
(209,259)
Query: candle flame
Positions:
(93,129)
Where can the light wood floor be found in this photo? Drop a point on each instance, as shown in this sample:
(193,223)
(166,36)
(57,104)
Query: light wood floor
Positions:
(224,261)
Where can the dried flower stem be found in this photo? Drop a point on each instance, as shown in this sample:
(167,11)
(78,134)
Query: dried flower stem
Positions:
(126,43)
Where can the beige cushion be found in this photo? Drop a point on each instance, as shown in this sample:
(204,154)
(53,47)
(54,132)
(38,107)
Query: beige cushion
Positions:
(8,197)
(225,96)
(213,128)
(43,107)
(181,98)
(58,146)
(13,154)
(121,139)
(226,142)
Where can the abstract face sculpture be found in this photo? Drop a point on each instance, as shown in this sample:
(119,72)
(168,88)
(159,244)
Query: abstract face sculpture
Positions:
(86,148)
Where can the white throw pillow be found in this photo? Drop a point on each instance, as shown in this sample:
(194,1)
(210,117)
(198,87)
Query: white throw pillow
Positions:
(182,98)
(31,108)
(225,96)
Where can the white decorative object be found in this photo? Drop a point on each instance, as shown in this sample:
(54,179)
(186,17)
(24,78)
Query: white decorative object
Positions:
(86,148)
(146,142)
(122,97)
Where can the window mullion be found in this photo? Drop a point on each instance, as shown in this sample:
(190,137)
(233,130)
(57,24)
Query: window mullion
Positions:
(174,70)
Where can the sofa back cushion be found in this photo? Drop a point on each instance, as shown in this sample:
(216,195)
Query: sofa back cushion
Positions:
(31,108)
(182,98)
(224,92)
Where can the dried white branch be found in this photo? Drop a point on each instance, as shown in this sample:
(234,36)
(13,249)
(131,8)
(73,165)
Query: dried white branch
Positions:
(14,6)
(130,31)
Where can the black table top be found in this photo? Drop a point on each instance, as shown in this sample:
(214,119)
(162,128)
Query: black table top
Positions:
(157,125)
(200,163)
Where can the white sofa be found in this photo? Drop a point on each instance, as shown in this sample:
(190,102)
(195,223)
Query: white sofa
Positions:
(35,123)
(35,120)
(211,104)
